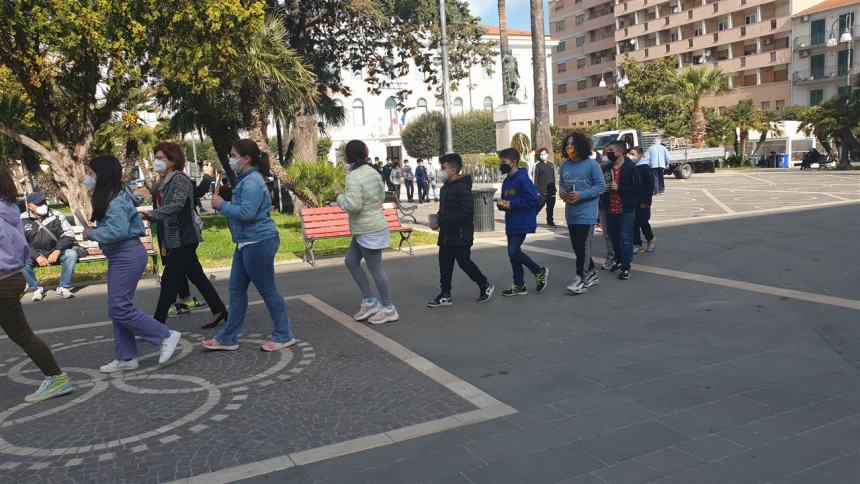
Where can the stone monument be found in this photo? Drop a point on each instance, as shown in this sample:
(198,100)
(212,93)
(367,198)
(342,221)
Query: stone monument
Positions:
(512,117)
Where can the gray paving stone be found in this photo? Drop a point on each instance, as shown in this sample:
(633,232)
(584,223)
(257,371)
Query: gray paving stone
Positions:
(428,444)
(550,465)
(840,435)
(424,468)
(293,475)
(535,416)
(782,425)
(842,470)
(717,416)
(783,398)
(782,458)
(548,393)
(349,464)
(520,442)
(489,428)
(677,399)
(584,403)
(629,472)
(669,461)
(601,419)
(710,448)
(707,473)
(629,442)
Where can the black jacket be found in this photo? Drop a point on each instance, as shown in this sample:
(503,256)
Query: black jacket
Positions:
(545,178)
(629,186)
(456,213)
(647,184)
(38,238)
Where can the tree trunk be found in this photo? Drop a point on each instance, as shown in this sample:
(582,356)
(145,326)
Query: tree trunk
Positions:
(697,126)
(130,159)
(304,134)
(543,131)
(31,165)
(745,143)
(69,173)
(257,132)
(503,43)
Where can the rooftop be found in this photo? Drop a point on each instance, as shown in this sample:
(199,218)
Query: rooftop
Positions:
(826,5)
(494,30)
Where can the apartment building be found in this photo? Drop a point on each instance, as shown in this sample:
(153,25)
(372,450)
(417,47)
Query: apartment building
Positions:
(825,41)
(585,32)
(749,39)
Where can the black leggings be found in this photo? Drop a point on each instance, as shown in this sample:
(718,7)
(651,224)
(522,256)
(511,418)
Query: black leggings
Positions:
(463,256)
(580,239)
(183,263)
(643,224)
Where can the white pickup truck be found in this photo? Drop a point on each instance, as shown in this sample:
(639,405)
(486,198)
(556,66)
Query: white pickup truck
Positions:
(685,160)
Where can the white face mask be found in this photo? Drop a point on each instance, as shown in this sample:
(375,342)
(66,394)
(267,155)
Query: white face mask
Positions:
(543,157)
(42,210)
(442,176)
(234,164)
(159,166)
(90,183)
(633,157)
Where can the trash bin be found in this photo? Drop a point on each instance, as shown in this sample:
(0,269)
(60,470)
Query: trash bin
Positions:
(783,160)
(485,209)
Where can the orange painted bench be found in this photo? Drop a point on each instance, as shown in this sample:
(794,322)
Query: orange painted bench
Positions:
(332,222)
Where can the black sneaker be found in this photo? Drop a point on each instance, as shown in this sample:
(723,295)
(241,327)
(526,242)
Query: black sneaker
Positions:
(486,293)
(591,279)
(542,279)
(624,275)
(441,300)
(616,266)
(515,291)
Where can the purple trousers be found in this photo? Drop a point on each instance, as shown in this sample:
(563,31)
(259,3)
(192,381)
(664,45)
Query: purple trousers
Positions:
(126,263)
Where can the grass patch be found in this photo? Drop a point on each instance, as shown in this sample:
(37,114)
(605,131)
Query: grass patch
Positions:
(217,248)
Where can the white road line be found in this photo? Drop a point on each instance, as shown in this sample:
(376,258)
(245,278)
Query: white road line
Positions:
(835,196)
(759,179)
(717,201)
(719,281)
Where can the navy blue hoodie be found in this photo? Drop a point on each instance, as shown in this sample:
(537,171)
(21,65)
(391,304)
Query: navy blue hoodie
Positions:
(518,189)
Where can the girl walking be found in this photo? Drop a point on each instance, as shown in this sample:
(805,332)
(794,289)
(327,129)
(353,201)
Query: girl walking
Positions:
(118,233)
(179,235)
(14,255)
(363,202)
(257,242)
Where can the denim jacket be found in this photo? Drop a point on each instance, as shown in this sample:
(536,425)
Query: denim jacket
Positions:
(14,252)
(248,213)
(120,224)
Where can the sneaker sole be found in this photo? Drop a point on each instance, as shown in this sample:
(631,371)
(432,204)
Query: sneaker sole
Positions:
(221,347)
(576,293)
(489,296)
(118,370)
(58,393)
(591,284)
(516,294)
(280,347)
(386,320)
(440,304)
(359,318)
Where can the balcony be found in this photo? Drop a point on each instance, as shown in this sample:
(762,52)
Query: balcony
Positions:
(756,61)
(827,73)
(810,41)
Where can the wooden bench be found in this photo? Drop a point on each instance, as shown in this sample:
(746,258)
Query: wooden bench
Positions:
(332,222)
(406,210)
(95,254)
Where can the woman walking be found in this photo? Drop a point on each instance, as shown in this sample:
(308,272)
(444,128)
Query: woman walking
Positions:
(363,202)
(257,242)
(118,233)
(179,235)
(14,255)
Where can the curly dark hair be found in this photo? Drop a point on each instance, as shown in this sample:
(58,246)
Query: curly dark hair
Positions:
(581,143)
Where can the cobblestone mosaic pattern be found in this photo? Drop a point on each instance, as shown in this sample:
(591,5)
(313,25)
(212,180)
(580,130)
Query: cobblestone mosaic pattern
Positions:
(206,411)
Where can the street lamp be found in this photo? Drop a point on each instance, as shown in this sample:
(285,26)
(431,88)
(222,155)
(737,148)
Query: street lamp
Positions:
(446,88)
(844,38)
(620,83)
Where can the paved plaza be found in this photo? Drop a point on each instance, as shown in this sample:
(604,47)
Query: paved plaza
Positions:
(732,355)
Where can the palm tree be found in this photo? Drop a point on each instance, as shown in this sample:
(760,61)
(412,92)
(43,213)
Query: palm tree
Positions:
(694,85)
(768,126)
(128,134)
(503,40)
(746,117)
(543,134)
(836,120)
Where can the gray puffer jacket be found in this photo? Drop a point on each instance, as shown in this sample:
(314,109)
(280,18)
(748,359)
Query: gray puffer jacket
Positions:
(175,212)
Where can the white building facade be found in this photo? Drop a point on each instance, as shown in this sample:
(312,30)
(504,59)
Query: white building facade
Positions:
(376,119)
(825,42)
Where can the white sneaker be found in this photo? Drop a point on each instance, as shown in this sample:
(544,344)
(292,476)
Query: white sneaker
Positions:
(651,245)
(39,294)
(385,315)
(64,292)
(606,265)
(577,286)
(168,346)
(591,279)
(367,310)
(116,365)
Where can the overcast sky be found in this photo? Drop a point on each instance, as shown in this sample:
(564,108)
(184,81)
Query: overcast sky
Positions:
(518,13)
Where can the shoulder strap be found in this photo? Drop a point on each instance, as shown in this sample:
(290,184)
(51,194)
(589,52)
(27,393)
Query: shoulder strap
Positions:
(42,228)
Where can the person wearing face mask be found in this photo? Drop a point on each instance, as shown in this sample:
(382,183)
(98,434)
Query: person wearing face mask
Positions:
(396,178)
(179,234)
(362,200)
(455,224)
(52,241)
(544,175)
(625,191)
(118,233)
(519,201)
(257,242)
(409,180)
(582,183)
(642,225)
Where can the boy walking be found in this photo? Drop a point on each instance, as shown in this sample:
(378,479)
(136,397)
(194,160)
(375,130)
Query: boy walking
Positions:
(519,202)
(454,221)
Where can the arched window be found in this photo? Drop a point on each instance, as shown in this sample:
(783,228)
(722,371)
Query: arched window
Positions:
(339,104)
(488,102)
(391,109)
(422,106)
(358,112)
(458,106)
(440,105)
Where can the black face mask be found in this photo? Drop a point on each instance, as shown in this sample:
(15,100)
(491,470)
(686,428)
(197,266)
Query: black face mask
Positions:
(505,168)
(611,157)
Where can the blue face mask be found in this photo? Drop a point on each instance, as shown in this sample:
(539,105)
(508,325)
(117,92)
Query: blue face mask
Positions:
(90,183)
(159,166)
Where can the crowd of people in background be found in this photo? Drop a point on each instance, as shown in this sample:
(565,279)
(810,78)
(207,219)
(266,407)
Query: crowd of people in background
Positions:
(614,191)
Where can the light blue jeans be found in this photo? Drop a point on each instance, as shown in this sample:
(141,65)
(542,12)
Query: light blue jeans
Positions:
(255,263)
(68,259)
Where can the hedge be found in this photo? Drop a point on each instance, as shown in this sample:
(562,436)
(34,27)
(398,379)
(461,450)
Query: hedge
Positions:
(474,132)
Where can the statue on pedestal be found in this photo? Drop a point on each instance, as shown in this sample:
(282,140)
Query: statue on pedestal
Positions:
(511,76)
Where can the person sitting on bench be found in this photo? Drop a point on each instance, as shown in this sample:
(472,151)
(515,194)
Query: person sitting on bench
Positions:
(52,241)
(811,156)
